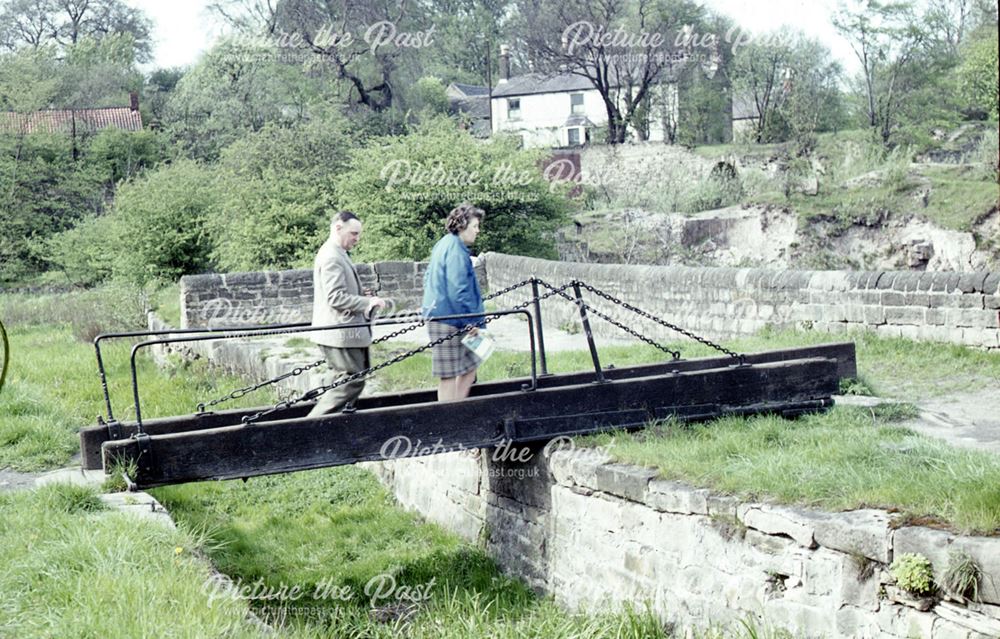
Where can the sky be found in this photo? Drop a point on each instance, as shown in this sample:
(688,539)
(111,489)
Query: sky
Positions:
(184,29)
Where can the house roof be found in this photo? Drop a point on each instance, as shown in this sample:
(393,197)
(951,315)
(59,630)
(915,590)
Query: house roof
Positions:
(62,120)
(533,83)
(470,90)
(565,81)
(744,107)
(477,107)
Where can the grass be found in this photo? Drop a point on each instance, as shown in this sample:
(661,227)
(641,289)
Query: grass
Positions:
(167,304)
(932,369)
(847,458)
(74,569)
(365,568)
(53,390)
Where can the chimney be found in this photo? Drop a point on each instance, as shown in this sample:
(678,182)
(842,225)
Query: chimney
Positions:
(133,100)
(504,63)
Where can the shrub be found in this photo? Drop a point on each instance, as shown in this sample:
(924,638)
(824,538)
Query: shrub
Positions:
(913,573)
(158,224)
(276,195)
(403,188)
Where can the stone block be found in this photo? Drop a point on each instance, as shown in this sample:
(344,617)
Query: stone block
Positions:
(916,298)
(906,281)
(944,629)
(874,315)
(244,280)
(945,282)
(974,621)
(991,285)
(885,280)
(722,505)
(936,316)
(904,315)
(795,523)
(677,497)
(622,480)
(985,551)
(929,542)
(971,317)
(857,531)
(972,282)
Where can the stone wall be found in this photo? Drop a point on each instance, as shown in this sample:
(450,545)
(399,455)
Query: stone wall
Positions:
(961,308)
(280,297)
(592,533)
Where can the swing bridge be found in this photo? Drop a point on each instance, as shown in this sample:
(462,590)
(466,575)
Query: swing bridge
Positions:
(216,444)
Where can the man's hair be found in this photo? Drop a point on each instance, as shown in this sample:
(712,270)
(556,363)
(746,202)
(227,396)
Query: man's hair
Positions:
(460,216)
(343,216)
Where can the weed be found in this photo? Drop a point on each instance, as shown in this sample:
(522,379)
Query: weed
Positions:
(913,573)
(962,577)
(863,565)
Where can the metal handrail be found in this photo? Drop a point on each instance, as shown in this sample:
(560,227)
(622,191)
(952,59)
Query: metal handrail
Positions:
(285,329)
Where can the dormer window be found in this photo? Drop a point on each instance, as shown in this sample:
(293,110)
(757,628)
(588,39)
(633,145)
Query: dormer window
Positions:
(514,108)
(576,103)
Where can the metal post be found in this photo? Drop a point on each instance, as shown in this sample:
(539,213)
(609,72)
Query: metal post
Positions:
(538,326)
(588,333)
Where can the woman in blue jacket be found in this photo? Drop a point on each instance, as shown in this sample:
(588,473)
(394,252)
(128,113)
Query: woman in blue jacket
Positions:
(451,288)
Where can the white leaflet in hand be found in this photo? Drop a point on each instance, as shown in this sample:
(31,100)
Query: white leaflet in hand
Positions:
(481,344)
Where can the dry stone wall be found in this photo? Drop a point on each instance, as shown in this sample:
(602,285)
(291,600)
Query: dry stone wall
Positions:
(961,308)
(279,297)
(594,533)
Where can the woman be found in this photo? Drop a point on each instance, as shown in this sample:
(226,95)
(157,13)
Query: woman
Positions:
(451,288)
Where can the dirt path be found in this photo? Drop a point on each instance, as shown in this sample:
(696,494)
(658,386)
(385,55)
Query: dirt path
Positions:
(13,480)
(969,420)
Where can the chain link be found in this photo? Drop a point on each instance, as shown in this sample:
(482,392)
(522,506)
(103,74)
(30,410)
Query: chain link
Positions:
(673,327)
(610,320)
(553,290)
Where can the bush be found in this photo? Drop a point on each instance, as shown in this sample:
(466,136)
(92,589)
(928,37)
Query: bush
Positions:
(276,195)
(403,188)
(158,224)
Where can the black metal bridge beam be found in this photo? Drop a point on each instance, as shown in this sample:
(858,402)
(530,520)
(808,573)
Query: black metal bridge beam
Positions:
(413,429)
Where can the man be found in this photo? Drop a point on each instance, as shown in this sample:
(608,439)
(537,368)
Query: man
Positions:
(339,299)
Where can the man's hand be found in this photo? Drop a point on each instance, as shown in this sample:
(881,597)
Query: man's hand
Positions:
(375,303)
(474,331)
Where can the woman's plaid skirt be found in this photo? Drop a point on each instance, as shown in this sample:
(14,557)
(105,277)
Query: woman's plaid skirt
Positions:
(450,358)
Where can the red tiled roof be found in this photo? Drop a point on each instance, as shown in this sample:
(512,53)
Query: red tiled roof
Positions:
(61,120)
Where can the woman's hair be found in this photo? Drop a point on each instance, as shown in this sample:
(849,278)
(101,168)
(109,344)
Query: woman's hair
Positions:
(460,217)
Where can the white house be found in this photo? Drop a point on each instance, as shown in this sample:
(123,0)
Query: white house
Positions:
(564,109)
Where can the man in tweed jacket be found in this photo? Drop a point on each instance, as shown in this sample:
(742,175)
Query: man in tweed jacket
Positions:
(339,299)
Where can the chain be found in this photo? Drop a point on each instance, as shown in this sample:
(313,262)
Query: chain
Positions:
(673,327)
(610,320)
(240,392)
(316,392)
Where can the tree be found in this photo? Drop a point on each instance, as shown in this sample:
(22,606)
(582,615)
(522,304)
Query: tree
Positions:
(886,38)
(978,75)
(236,87)
(158,223)
(65,22)
(792,83)
(623,48)
(365,43)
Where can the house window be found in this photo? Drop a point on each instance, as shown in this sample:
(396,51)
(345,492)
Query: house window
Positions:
(576,103)
(574,136)
(514,108)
